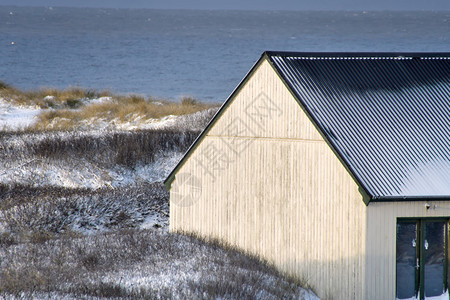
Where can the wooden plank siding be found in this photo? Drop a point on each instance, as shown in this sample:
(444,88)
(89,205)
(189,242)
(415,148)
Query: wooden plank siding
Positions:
(264,179)
(381,242)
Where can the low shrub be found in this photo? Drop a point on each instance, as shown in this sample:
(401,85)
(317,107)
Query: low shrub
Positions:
(189,101)
(39,237)
(123,148)
(52,211)
(7,239)
(4,86)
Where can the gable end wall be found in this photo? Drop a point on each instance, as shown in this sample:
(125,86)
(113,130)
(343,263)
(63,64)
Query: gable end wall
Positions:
(264,179)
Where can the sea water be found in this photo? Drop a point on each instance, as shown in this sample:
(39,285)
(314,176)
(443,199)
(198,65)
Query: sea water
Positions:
(175,53)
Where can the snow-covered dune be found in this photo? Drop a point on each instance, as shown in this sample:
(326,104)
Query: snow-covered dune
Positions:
(16,117)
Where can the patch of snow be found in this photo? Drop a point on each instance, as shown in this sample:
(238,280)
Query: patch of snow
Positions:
(431,179)
(101,100)
(131,122)
(170,274)
(308,295)
(153,172)
(16,117)
(444,296)
(149,222)
(136,121)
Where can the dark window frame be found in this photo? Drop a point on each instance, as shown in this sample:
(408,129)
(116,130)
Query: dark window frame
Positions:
(420,236)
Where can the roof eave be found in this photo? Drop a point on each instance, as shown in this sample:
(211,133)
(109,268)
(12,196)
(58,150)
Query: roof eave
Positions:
(410,198)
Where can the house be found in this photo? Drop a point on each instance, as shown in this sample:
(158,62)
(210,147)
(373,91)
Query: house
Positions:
(333,166)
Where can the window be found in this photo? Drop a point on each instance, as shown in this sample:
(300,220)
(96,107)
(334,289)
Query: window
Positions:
(422,259)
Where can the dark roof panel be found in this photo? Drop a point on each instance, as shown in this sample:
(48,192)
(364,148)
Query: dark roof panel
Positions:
(386,115)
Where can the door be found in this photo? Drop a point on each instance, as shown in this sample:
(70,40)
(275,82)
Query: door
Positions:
(422,259)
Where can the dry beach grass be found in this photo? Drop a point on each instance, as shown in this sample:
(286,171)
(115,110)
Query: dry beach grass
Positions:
(70,108)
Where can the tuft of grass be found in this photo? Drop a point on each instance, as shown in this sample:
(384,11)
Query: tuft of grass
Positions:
(4,86)
(91,260)
(73,103)
(189,101)
(7,239)
(39,237)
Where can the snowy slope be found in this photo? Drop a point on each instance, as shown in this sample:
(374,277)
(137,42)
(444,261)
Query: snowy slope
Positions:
(16,117)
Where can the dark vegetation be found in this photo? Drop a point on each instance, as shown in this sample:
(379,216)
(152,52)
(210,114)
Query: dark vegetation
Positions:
(100,265)
(125,148)
(31,209)
(42,213)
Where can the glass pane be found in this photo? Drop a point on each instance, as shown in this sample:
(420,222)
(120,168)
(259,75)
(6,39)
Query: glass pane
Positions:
(434,258)
(406,260)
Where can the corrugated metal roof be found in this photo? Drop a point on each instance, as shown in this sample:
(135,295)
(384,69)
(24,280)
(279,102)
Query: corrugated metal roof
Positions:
(386,115)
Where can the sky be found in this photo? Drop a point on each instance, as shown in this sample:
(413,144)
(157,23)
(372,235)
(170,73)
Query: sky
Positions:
(246,4)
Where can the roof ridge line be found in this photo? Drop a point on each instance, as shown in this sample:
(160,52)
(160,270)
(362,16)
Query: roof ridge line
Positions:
(360,55)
